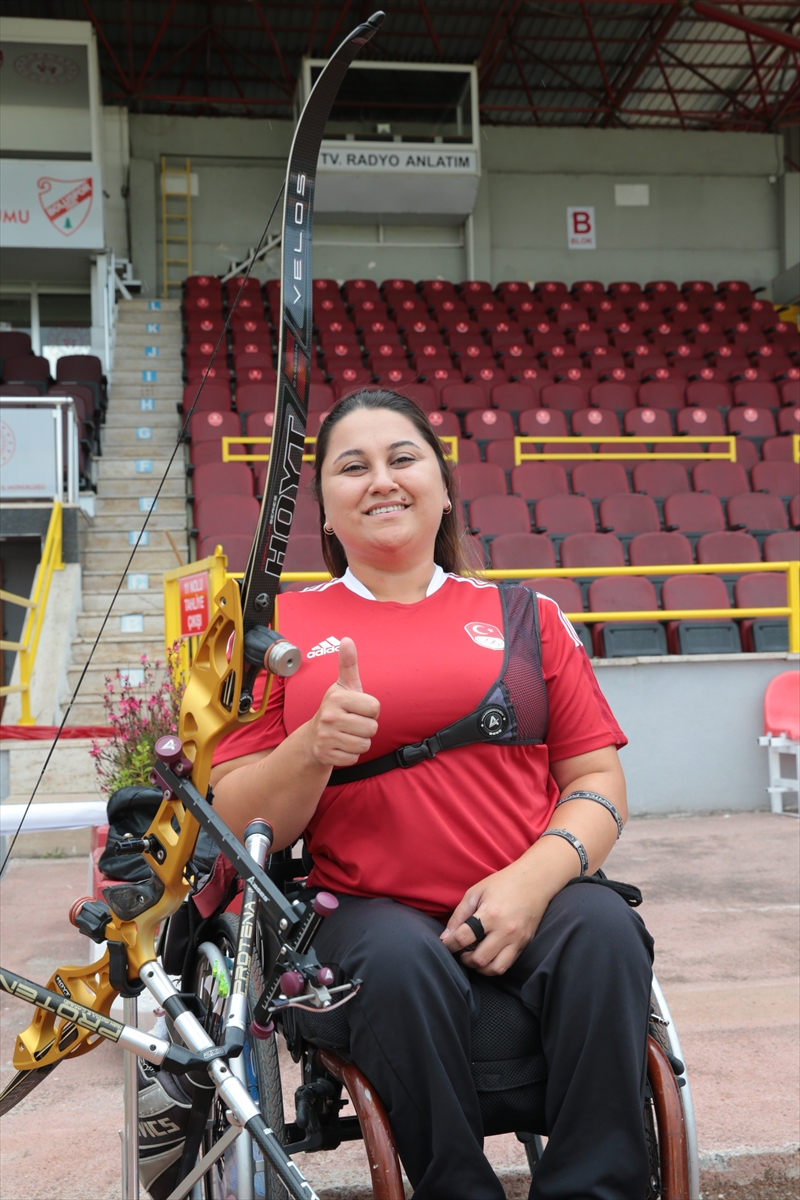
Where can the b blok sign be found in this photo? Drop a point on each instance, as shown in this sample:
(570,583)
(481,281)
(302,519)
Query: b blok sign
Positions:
(51,204)
(581,228)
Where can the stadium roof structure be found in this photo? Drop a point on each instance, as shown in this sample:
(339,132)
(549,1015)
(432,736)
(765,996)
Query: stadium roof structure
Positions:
(691,65)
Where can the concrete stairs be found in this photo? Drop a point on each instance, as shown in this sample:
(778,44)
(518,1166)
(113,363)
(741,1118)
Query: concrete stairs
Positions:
(139,436)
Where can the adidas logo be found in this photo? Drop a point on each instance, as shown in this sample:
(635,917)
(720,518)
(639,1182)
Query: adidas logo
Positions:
(329,645)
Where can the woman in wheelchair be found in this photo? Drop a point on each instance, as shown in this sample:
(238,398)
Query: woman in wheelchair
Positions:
(448,755)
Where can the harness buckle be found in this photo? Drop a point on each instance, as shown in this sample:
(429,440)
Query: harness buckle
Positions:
(409,756)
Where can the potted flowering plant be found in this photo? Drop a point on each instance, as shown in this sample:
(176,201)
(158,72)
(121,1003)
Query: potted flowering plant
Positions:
(138,714)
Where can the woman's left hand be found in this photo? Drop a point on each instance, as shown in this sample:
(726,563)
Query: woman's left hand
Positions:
(510,907)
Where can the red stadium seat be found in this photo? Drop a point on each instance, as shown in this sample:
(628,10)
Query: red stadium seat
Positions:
(756,395)
(778,478)
(782,547)
(618,397)
(547,422)
(746,452)
(599,479)
(564,514)
(488,424)
(625,513)
(214,425)
(201,306)
(647,422)
(14,343)
(236,546)
(304,553)
(720,478)
(777,450)
(789,420)
(480,479)
(794,512)
(490,515)
(762,590)
(532,376)
(659,479)
(393,374)
(469,452)
(513,397)
(565,592)
(488,377)
(534,480)
(669,394)
(757,511)
(221,479)
(213,396)
(697,288)
(460,397)
(728,547)
(693,512)
(790,391)
(565,397)
(259,424)
(422,394)
(255,397)
(595,422)
(699,421)
(500,452)
(659,550)
(623,639)
(753,422)
(31,369)
(446,424)
(699,635)
(523,551)
(592,550)
(218,515)
(320,397)
(399,287)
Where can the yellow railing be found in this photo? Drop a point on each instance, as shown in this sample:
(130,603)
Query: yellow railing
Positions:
(790,610)
(796,447)
(51,561)
(521,455)
(227,442)
(188,604)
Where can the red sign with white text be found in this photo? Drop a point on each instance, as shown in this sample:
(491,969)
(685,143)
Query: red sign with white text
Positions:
(193,592)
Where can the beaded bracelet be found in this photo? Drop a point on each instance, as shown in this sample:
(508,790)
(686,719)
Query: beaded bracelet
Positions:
(598,799)
(577,845)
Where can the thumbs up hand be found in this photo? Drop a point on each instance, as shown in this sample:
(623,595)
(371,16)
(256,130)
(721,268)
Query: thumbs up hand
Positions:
(343,726)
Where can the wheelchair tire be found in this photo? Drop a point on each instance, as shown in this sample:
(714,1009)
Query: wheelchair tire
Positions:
(261,1063)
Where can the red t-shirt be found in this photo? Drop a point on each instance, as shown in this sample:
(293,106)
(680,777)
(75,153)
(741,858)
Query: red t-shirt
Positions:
(426,834)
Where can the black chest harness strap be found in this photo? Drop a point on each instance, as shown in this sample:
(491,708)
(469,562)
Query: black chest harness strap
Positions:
(514,711)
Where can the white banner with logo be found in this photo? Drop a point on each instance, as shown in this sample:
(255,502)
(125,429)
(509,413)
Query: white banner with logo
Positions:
(51,204)
(28,454)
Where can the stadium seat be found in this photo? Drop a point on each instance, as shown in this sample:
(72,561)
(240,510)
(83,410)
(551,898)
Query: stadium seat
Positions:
(446,424)
(599,479)
(532,376)
(304,553)
(702,422)
(669,394)
(762,590)
(776,450)
(693,512)
(757,511)
(14,343)
(756,395)
(20,389)
(513,397)
(624,639)
(628,514)
(490,515)
(488,378)
(28,368)
(480,479)
(794,512)
(789,420)
(422,394)
(779,478)
(564,397)
(595,423)
(752,422)
(699,635)
(790,391)
(661,478)
(211,426)
(708,394)
(211,396)
(236,546)
(500,452)
(659,550)
(547,422)
(592,550)
(219,515)
(523,551)
(221,479)
(782,547)
(727,547)
(488,424)
(720,478)
(460,397)
(321,397)
(647,422)
(393,373)
(564,514)
(618,397)
(534,480)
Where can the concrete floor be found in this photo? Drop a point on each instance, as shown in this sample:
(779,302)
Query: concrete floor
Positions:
(721,898)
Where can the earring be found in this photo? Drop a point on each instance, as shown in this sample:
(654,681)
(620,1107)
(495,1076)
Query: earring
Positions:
(327,530)
(446,511)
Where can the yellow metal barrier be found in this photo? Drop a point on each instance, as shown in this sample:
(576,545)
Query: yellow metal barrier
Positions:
(188,605)
(790,610)
(227,442)
(521,455)
(796,447)
(51,561)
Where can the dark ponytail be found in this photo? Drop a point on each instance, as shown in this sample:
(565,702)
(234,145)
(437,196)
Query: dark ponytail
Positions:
(450,551)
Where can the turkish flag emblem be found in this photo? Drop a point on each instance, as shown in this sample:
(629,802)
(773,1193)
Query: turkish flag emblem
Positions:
(65,202)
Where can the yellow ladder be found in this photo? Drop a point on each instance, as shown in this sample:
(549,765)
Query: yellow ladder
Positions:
(176,223)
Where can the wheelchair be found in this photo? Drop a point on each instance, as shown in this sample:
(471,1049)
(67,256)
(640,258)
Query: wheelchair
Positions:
(511,1090)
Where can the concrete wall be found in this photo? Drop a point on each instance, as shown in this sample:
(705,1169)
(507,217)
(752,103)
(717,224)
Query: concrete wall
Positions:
(718,208)
(693,725)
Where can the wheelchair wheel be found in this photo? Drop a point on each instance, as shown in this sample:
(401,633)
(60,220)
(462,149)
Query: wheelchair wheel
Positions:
(240,1173)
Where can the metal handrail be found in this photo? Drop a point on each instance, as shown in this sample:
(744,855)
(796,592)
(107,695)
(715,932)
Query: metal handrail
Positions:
(521,456)
(249,440)
(28,645)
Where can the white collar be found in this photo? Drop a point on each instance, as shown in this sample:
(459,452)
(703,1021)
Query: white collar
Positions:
(355,585)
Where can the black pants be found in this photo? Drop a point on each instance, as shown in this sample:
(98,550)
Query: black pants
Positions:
(585,976)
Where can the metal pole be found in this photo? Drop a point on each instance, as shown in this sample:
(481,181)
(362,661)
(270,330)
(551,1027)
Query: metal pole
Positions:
(130,1131)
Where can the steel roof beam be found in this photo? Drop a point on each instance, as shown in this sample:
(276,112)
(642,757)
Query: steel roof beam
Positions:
(640,65)
(155,44)
(763,32)
(276,48)
(423,8)
(126,83)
